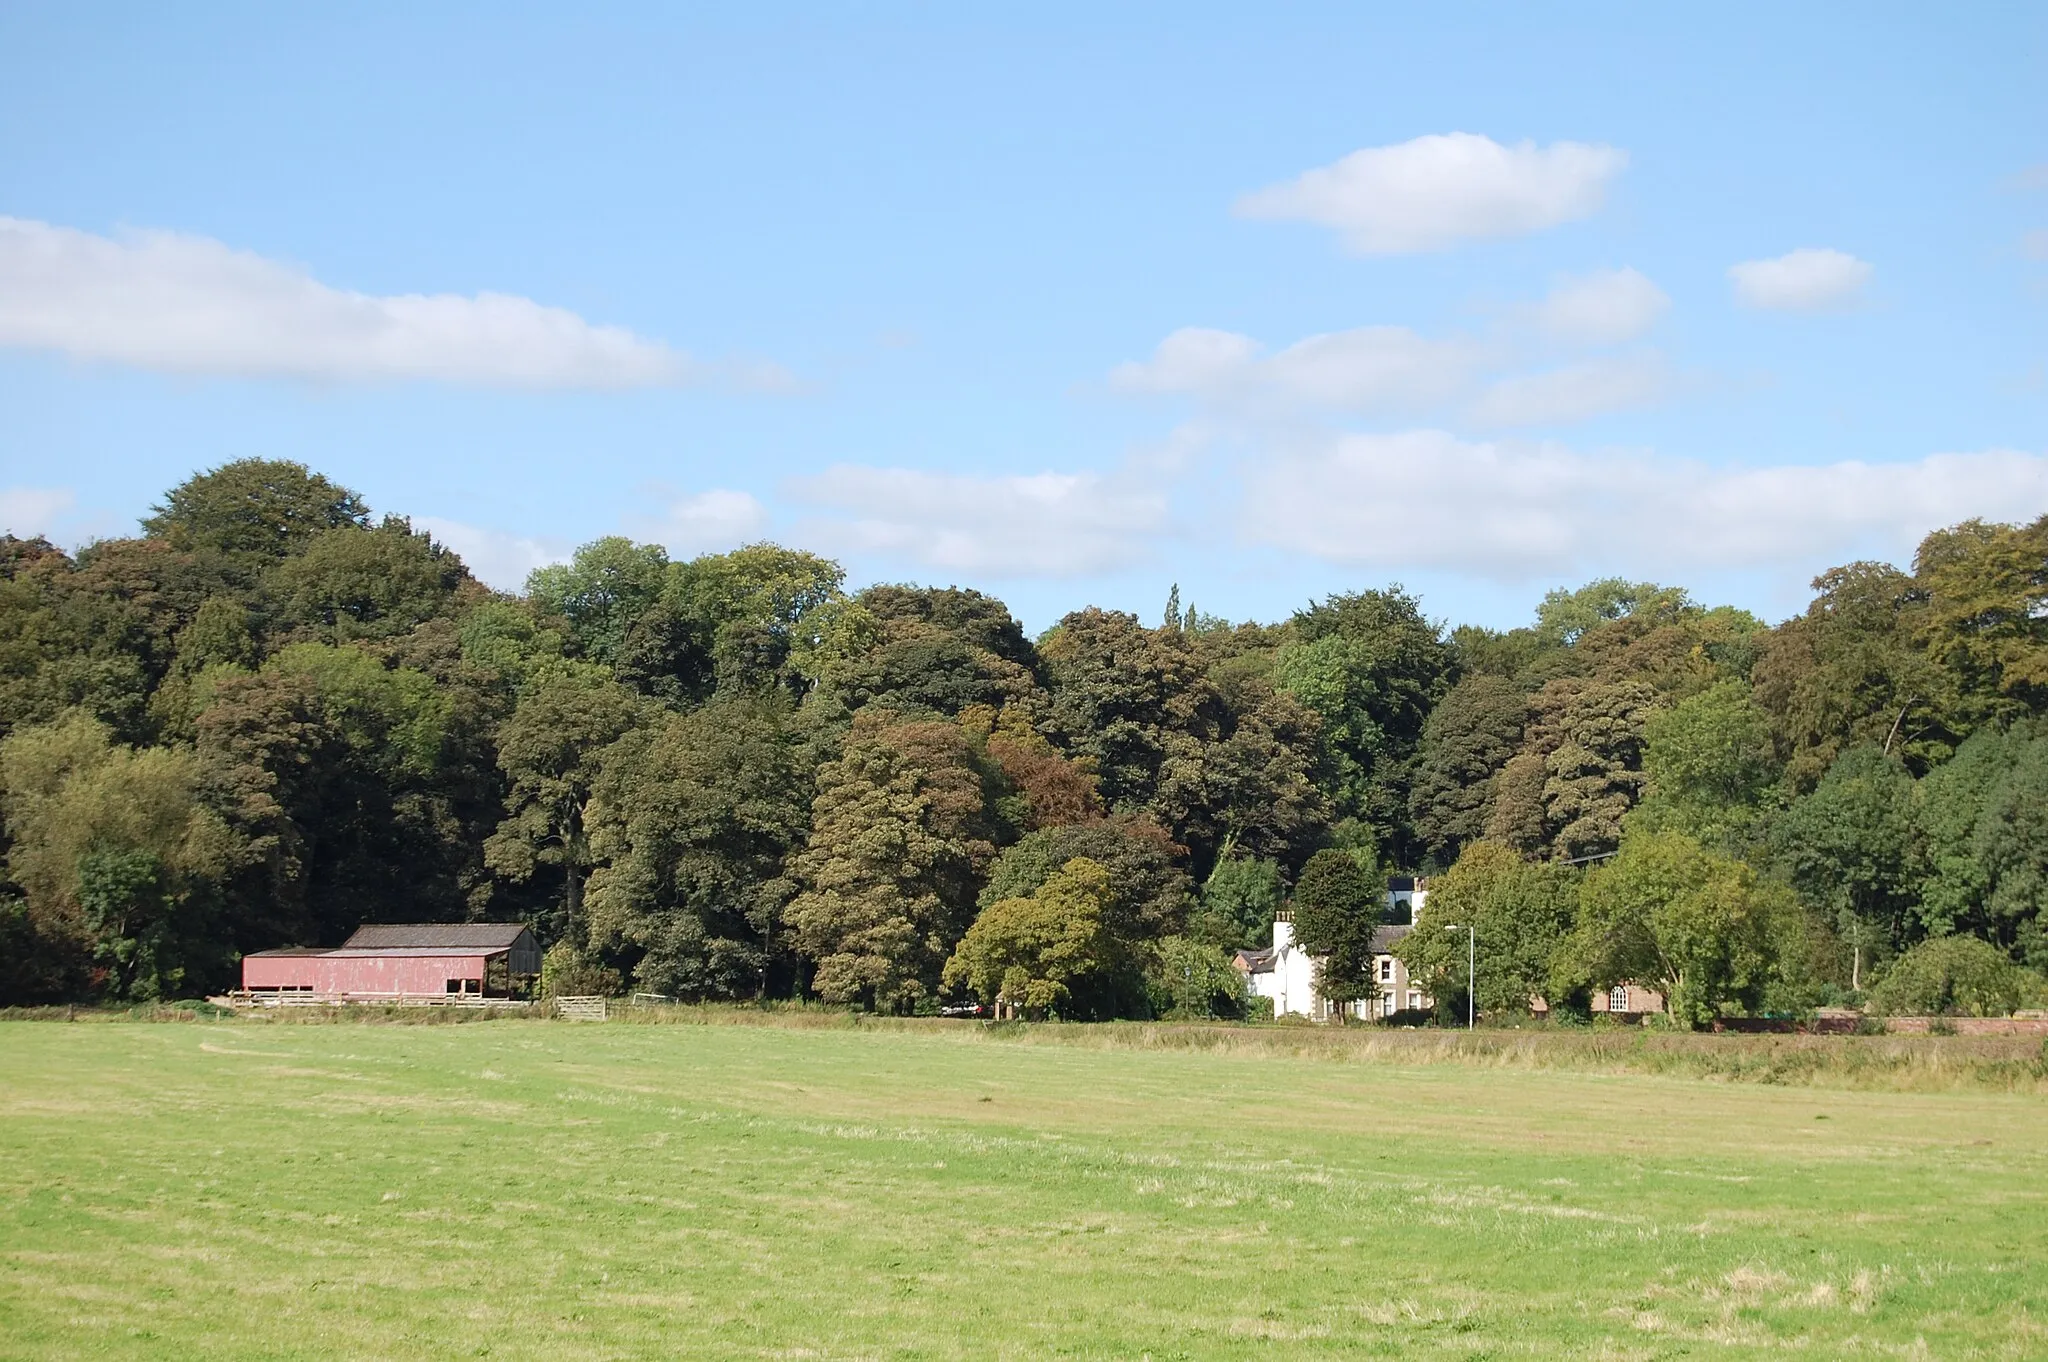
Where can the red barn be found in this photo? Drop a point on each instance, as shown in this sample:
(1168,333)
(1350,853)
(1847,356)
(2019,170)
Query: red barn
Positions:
(405,962)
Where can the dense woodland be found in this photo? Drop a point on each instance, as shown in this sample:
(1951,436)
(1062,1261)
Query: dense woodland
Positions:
(272,717)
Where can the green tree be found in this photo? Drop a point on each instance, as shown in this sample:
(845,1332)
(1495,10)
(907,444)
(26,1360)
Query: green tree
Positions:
(1038,953)
(1372,667)
(1238,902)
(1954,976)
(601,592)
(551,751)
(690,823)
(1709,763)
(1848,848)
(1190,980)
(352,583)
(254,508)
(1337,907)
(1466,740)
(116,848)
(899,832)
(1985,622)
(1850,671)
(1519,913)
(1669,914)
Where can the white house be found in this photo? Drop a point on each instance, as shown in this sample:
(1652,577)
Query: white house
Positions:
(1287,974)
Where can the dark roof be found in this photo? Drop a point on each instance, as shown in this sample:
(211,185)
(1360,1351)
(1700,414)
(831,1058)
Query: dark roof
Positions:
(1256,962)
(290,950)
(458,936)
(1400,884)
(1384,938)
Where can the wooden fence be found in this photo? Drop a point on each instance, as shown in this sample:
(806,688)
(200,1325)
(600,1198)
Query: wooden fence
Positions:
(591,1008)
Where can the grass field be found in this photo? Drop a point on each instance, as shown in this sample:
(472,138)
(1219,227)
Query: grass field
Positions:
(526,1189)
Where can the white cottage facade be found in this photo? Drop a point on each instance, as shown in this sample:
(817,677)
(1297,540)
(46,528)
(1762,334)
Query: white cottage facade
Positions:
(1286,974)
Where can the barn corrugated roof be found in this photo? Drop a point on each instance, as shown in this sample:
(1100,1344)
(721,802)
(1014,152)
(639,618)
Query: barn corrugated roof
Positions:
(459,936)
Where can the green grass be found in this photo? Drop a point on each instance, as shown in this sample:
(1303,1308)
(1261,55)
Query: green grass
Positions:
(525,1189)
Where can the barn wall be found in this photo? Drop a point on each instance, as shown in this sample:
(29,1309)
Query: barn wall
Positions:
(389,975)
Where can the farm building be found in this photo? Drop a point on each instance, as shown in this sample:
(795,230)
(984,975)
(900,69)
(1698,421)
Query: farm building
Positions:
(402,962)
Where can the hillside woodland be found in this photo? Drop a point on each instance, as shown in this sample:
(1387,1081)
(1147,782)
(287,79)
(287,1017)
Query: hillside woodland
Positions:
(273,716)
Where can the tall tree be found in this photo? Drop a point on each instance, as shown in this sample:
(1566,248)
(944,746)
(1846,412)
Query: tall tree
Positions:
(1519,915)
(254,508)
(1372,667)
(899,830)
(1466,740)
(691,822)
(1668,913)
(1848,847)
(1337,907)
(551,750)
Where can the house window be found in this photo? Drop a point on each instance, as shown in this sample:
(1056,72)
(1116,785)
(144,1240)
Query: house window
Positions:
(1617,998)
(465,985)
(1386,968)
(1414,1000)
(1389,1005)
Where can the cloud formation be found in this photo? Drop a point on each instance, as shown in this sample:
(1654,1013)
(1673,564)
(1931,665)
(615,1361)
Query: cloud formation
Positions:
(1367,369)
(495,558)
(1036,525)
(191,305)
(1508,510)
(1574,392)
(705,522)
(1811,279)
(26,512)
(1601,308)
(1434,191)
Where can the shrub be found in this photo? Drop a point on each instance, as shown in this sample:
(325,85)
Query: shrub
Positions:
(568,972)
(1954,976)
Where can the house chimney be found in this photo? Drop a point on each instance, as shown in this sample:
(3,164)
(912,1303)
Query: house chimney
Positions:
(1283,929)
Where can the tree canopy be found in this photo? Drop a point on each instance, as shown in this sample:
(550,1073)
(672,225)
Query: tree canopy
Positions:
(271,716)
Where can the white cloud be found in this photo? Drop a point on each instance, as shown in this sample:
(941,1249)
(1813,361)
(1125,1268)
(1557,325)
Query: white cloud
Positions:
(191,305)
(494,557)
(1810,279)
(1370,368)
(1434,191)
(1037,525)
(2034,244)
(1574,392)
(1602,308)
(26,512)
(2033,177)
(1510,510)
(705,522)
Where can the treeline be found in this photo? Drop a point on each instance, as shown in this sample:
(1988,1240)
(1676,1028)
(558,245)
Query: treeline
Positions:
(272,717)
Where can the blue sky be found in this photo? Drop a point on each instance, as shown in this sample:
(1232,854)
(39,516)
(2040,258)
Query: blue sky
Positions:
(1065,304)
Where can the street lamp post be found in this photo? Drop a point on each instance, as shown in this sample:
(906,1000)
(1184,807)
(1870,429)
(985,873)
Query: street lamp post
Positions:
(1471,972)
